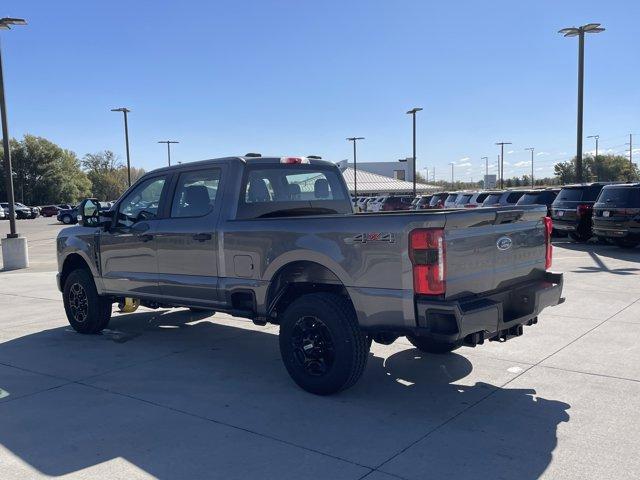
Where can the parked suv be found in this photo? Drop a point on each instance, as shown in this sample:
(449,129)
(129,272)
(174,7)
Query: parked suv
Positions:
(49,211)
(540,196)
(503,199)
(572,210)
(437,201)
(396,202)
(616,214)
(421,202)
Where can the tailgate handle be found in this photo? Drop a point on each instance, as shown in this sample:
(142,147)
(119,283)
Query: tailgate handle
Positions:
(508,216)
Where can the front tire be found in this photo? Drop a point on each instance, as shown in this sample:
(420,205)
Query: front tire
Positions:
(86,311)
(428,345)
(322,346)
(66,219)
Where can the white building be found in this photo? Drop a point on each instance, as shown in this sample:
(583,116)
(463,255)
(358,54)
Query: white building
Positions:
(373,184)
(400,170)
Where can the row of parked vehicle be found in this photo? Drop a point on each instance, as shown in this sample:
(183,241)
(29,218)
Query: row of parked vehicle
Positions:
(22,211)
(609,211)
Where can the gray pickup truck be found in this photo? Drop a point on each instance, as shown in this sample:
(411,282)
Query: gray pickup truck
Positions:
(276,240)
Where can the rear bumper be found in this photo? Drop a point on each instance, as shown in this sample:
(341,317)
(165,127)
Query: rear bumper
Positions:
(497,316)
(563,226)
(611,231)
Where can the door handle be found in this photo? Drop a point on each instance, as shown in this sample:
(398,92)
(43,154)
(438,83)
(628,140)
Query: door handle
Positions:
(202,237)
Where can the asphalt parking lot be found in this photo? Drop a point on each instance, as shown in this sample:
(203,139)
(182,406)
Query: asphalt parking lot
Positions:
(172,394)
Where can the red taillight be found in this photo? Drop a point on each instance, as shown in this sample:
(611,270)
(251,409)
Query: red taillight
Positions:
(427,253)
(291,160)
(548,227)
(583,209)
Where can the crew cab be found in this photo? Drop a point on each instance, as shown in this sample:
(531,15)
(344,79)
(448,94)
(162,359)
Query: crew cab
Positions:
(276,240)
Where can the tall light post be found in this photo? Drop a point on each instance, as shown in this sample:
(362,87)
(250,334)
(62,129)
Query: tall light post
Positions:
(580,32)
(486,169)
(452,176)
(15,251)
(531,149)
(5,24)
(501,164)
(596,137)
(125,111)
(355,159)
(413,112)
(168,142)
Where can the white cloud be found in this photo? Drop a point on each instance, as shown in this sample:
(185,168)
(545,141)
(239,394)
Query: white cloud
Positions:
(464,159)
(544,154)
(510,151)
(521,164)
(466,164)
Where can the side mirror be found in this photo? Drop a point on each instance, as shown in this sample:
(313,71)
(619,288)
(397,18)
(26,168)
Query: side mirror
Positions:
(88,212)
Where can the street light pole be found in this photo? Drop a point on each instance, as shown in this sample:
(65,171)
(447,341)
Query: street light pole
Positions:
(486,168)
(501,164)
(596,137)
(355,159)
(5,25)
(531,149)
(125,111)
(168,142)
(413,112)
(580,33)
(452,176)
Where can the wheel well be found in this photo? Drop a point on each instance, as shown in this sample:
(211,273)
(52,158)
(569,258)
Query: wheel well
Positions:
(299,278)
(71,263)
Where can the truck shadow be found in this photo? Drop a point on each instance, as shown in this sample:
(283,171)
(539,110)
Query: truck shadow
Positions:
(142,386)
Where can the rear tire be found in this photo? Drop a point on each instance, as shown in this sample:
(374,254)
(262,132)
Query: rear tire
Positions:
(625,243)
(427,345)
(322,346)
(86,311)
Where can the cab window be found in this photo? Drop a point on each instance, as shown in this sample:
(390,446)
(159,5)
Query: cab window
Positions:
(195,193)
(142,203)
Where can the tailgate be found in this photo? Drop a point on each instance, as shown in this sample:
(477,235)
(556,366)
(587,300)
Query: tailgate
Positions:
(565,211)
(492,248)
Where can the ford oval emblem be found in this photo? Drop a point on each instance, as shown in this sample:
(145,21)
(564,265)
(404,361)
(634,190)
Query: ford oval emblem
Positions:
(504,243)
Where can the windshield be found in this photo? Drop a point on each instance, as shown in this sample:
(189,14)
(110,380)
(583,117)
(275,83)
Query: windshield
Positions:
(530,199)
(451,198)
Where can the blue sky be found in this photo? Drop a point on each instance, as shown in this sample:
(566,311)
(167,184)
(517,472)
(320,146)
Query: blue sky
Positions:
(297,77)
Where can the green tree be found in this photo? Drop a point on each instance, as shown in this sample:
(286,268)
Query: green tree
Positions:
(45,173)
(108,175)
(603,168)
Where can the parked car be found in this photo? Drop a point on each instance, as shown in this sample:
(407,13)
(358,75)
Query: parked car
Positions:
(437,201)
(65,206)
(68,216)
(572,210)
(503,198)
(49,210)
(375,204)
(541,196)
(476,199)
(450,201)
(395,202)
(332,280)
(616,214)
(22,211)
(464,199)
(421,202)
